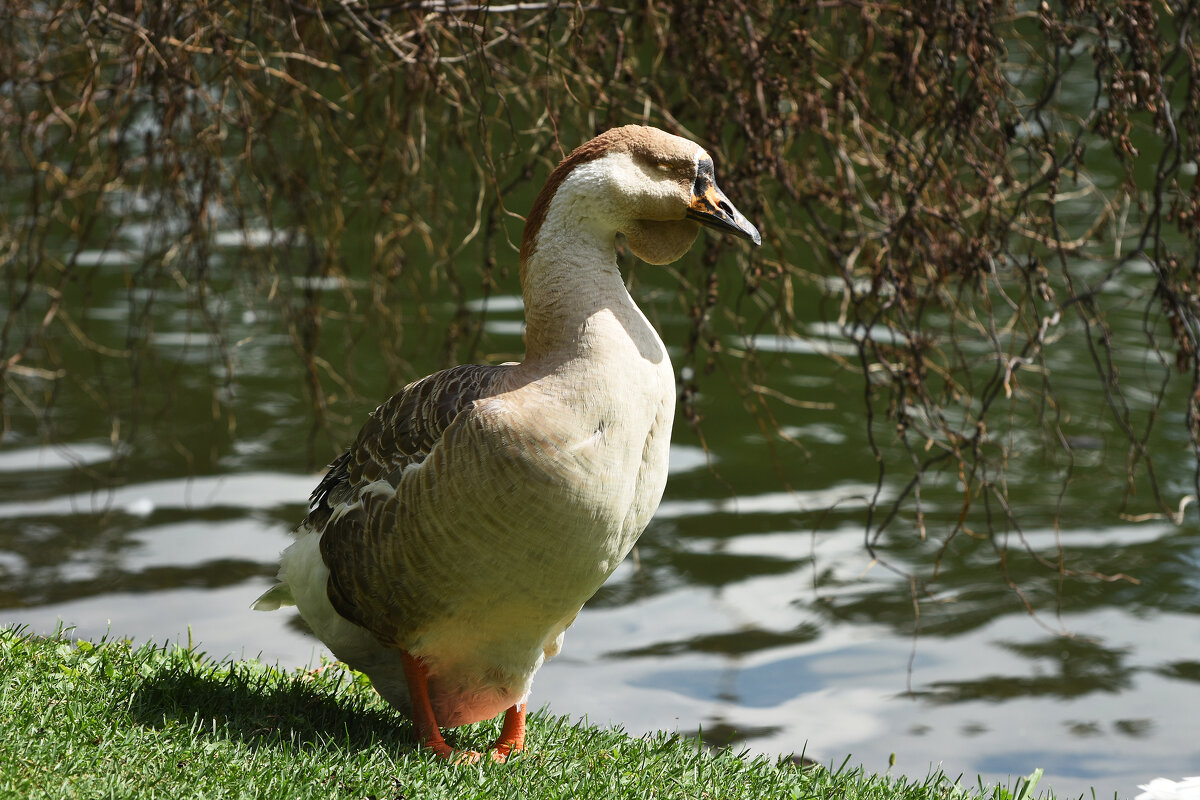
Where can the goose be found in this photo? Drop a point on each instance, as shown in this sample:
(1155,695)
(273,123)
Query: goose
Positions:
(448,549)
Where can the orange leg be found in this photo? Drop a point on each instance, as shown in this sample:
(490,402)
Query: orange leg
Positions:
(512,735)
(422,712)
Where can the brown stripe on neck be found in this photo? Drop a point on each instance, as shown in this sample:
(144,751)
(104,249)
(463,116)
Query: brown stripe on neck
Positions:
(589,151)
(627,138)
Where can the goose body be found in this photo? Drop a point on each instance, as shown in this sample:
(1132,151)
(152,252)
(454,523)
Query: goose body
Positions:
(448,549)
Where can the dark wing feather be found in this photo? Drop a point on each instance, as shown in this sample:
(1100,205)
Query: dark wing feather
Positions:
(399,433)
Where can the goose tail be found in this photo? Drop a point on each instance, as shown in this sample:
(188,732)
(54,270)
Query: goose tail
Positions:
(275,598)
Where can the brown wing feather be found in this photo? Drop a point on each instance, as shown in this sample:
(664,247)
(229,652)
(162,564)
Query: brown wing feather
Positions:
(399,433)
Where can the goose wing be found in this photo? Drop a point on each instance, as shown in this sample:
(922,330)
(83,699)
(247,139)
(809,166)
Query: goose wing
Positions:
(399,434)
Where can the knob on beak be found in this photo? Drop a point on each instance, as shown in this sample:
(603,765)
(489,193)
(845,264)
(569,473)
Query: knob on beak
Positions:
(710,207)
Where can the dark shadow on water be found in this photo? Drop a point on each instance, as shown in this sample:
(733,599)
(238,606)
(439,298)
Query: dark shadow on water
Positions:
(722,735)
(1181,670)
(739,642)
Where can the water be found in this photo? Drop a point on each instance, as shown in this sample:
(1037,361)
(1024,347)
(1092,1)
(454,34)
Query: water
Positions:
(753,611)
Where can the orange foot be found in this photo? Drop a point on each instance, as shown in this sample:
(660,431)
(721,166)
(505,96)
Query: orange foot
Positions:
(512,735)
(422,713)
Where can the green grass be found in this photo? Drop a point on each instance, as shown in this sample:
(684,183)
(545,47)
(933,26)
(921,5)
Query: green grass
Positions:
(80,719)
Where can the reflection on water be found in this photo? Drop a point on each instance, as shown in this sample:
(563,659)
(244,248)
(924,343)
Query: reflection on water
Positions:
(752,613)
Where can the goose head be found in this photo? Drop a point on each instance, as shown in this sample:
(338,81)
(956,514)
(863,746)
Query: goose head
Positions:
(655,188)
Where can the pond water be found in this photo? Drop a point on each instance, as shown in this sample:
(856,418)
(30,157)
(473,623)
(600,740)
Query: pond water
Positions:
(752,612)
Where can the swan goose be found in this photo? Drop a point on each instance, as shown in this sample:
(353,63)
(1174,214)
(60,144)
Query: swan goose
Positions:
(448,549)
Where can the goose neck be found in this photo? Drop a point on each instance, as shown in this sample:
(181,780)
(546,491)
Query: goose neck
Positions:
(566,286)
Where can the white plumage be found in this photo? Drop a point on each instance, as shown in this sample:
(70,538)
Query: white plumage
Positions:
(1167,789)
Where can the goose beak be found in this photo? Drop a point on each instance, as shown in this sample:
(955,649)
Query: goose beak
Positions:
(712,208)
